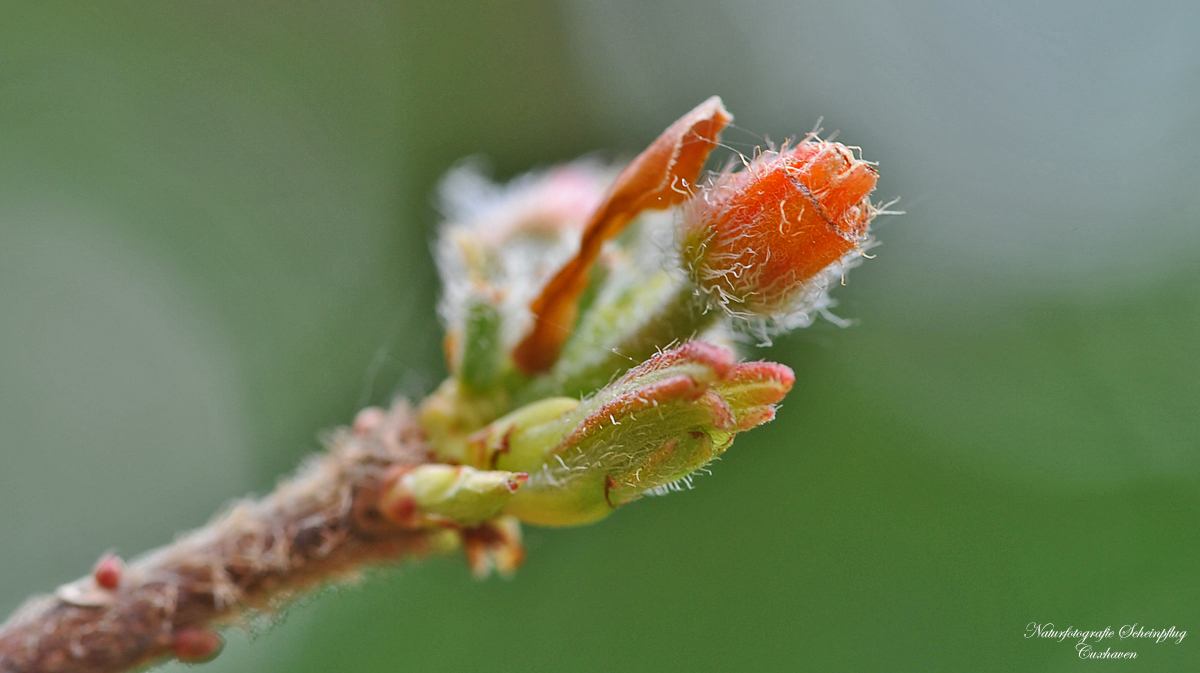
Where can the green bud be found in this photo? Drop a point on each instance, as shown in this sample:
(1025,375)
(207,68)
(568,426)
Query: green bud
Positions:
(522,437)
(436,494)
(659,423)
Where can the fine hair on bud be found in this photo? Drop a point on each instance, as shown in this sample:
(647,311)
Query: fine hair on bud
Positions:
(765,243)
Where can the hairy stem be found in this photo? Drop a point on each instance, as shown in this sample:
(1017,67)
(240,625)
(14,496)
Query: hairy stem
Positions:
(321,525)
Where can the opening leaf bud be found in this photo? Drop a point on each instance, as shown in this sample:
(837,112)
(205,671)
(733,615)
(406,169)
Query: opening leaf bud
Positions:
(657,424)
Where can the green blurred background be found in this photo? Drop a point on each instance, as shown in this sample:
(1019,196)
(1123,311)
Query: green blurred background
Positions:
(215,221)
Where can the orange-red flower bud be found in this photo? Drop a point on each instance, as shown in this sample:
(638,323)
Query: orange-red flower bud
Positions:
(759,239)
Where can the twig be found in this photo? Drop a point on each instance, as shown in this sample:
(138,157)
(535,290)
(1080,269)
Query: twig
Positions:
(321,525)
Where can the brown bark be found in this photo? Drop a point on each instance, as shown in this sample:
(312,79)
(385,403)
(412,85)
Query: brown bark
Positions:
(319,526)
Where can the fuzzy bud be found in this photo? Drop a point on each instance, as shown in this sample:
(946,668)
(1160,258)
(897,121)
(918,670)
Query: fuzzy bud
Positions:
(759,240)
(656,425)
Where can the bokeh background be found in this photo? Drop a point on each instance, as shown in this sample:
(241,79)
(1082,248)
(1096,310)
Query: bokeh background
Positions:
(215,221)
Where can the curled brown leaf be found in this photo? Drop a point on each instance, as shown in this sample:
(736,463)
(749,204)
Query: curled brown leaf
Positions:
(660,177)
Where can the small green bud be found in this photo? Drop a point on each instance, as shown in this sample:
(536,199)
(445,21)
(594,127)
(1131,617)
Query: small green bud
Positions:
(522,437)
(436,494)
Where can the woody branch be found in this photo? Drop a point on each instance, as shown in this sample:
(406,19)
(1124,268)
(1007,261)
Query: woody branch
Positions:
(322,524)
